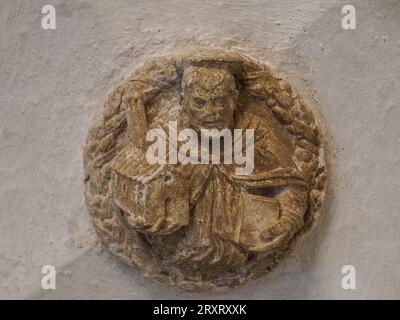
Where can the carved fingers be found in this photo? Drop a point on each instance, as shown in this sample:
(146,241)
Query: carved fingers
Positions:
(277,235)
(258,83)
(136,116)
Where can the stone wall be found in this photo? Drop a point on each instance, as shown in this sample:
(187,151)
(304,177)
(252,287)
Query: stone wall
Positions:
(53,83)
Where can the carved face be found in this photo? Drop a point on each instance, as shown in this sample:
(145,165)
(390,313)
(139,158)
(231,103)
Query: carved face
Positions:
(209,97)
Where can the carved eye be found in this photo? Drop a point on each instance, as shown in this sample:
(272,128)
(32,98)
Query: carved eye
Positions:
(220,101)
(199,102)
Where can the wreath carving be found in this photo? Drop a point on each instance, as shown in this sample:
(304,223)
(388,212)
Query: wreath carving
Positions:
(202,227)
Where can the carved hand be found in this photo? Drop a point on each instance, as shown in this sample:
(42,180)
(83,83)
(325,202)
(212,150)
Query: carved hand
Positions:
(293,203)
(278,234)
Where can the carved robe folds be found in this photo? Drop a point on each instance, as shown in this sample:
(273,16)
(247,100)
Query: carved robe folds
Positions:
(225,215)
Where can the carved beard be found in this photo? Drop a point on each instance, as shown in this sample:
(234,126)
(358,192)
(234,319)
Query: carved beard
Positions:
(197,124)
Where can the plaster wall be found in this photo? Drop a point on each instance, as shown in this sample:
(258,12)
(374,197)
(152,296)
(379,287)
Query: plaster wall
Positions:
(53,83)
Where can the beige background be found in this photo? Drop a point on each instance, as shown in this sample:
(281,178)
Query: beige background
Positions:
(54,82)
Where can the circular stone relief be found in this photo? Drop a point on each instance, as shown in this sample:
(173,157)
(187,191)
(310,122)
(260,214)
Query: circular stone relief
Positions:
(203,170)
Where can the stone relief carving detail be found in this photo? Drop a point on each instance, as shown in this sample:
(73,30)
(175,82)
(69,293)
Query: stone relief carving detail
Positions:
(202,226)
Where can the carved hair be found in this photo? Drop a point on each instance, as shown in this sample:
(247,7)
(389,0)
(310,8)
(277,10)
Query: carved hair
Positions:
(208,78)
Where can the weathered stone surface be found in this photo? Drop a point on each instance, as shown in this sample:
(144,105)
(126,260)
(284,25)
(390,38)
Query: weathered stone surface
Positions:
(201,225)
(53,84)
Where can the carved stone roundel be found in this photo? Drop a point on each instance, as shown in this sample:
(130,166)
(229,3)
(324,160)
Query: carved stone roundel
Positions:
(196,220)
